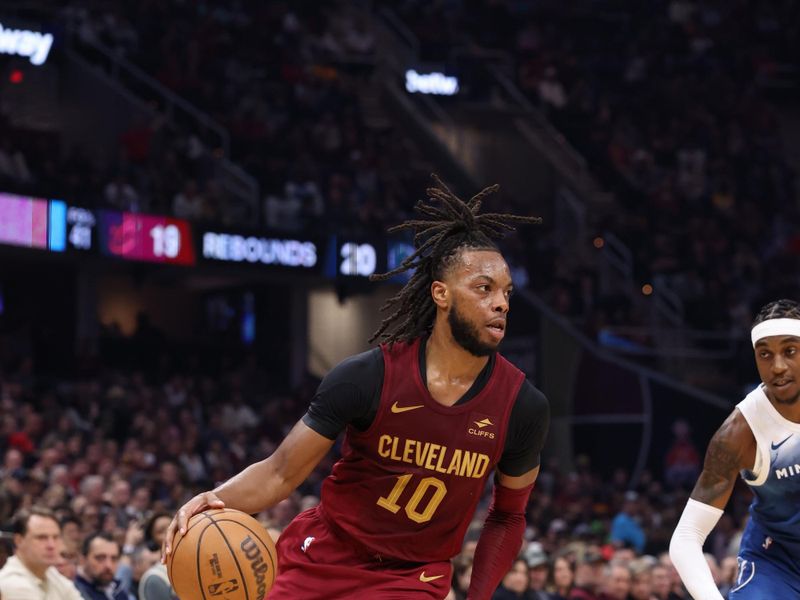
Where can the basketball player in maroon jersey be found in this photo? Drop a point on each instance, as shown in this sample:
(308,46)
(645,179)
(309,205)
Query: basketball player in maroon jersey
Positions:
(427,417)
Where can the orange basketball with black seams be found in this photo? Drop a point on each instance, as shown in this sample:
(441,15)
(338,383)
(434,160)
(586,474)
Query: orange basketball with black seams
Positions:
(224,555)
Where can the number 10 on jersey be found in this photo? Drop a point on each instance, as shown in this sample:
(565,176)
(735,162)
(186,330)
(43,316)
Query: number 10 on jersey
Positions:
(412,507)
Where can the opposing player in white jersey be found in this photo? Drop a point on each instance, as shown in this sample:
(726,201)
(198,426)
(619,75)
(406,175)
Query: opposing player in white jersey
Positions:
(761,441)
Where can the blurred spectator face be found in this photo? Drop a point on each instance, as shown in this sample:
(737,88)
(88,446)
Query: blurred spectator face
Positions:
(90,518)
(50,457)
(140,499)
(562,574)
(67,562)
(143,559)
(538,577)
(71,532)
(60,475)
(618,582)
(169,474)
(589,574)
(12,460)
(660,581)
(92,489)
(624,555)
(516,580)
(101,561)
(38,547)
(160,529)
(642,586)
(120,494)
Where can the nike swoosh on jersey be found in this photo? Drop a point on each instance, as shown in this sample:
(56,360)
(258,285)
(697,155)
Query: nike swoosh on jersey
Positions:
(425,579)
(402,409)
(779,444)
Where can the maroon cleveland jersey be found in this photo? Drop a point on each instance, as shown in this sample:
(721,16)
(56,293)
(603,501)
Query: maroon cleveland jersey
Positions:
(407,487)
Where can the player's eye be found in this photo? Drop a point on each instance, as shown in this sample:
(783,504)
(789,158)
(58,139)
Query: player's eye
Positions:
(484,287)
(764,354)
(791,351)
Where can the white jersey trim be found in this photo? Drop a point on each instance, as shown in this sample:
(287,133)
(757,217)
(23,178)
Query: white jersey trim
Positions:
(753,409)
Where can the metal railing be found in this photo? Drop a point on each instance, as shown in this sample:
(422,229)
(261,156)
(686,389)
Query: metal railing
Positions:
(179,112)
(171,104)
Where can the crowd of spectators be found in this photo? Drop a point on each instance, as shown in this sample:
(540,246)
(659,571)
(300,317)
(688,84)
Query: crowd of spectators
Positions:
(154,168)
(117,450)
(668,102)
(665,100)
(284,79)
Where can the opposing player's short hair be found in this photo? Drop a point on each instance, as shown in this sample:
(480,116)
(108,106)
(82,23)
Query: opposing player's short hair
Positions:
(453,225)
(779,309)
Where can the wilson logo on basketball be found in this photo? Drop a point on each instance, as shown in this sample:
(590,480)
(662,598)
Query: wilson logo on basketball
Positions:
(214,564)
(223,587)
(257,564)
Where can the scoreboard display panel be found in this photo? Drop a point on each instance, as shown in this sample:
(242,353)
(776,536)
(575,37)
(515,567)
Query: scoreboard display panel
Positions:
(147,238)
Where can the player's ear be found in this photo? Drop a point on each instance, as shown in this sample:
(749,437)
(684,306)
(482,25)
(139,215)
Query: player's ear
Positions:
(440,294)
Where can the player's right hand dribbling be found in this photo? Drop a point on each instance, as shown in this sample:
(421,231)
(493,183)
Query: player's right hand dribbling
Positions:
(197,504)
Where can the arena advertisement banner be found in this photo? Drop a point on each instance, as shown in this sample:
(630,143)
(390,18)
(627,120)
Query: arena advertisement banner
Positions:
(33,45)
(23,221)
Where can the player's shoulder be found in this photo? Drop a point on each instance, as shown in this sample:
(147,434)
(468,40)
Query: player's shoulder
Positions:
(531,400)
(532,395)
(355,368)
(734,429)
(733,445)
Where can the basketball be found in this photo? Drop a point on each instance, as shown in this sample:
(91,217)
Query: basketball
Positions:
(225,553)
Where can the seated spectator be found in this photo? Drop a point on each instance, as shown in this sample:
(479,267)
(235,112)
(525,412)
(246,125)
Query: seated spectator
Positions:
(30,574)
(119,194)
(515,584)
(561,579)
(616,581)
(462,573)
(625,529)
(588,576)
(155,584)
(538,568)
(188,203)
(96,578)
(68,559)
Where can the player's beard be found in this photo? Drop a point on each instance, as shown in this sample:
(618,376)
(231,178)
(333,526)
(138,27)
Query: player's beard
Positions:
(467,335)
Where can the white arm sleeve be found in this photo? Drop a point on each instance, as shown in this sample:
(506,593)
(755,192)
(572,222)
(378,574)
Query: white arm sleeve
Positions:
(686,549)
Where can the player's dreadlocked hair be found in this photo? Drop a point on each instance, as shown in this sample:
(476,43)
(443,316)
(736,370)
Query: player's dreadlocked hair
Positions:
(453,225)
(779,309)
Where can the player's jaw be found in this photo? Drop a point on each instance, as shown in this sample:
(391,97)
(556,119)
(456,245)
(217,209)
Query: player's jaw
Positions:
(785,389)
(479,339)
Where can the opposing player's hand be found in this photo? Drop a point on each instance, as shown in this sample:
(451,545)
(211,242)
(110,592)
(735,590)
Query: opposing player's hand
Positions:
(197,504)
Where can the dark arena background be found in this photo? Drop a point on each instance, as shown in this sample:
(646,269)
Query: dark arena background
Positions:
(194,194)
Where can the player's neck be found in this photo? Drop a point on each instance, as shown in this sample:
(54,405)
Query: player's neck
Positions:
(450,360)
(790,412)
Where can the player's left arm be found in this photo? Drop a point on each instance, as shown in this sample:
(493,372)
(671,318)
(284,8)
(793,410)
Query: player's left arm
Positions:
(501,538)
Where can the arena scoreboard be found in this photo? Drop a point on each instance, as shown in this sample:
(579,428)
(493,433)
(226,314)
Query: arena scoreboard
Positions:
(54,225)
(147,238)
